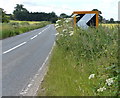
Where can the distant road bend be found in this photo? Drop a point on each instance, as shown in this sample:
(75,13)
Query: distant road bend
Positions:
(22,56)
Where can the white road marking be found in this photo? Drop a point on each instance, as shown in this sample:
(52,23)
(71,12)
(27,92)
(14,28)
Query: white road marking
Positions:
(34,37)
(39,33)
(14,47)
(45,29)
(24,42)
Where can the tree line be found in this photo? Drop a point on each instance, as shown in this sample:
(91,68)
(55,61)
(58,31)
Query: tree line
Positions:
(22,14)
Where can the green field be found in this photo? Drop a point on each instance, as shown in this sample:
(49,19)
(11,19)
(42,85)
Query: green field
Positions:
(17,27)
(83,62)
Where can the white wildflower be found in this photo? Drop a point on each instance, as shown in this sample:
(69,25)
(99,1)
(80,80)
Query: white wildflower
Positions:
(109,81)
(58,21)
(61,34)
(56,25)
(101,89)
(105,50)
(71,31)
(91,76)
(66,21)
(64,30)
(71,34)
(57,34)
(104,88)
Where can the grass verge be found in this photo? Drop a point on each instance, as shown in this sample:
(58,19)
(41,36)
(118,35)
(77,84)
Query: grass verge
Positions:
(16,28)
(83,63)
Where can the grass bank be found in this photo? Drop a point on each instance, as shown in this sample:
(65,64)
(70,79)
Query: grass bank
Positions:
(83,63)
(17,27)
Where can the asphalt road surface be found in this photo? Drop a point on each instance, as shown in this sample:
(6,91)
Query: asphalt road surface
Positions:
(22,56)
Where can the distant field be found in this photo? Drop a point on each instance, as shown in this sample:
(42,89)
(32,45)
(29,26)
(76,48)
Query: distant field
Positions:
(17,27)
(30,22)
(110,25)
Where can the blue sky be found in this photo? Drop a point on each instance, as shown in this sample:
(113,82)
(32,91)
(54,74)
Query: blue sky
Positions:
(109,8)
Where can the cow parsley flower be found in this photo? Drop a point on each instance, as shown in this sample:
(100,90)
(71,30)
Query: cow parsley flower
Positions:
(57,34)
(66,21)
(91,76)
(71,33)
(64,30)
(101,89)
(61,34)
(58,21)
(109,81)
(56,25)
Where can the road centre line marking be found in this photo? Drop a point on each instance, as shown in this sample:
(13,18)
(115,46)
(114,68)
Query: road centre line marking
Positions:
(40,33)
(23,42)
(34,37)
(14,47)
(45,29)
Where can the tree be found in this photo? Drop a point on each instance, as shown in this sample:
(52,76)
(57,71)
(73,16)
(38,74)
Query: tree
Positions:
(3,17)
(23,14)
(112,20)
(53,17)
(12,17)
(20,13)
(97,10)
(63,15)
(100,17)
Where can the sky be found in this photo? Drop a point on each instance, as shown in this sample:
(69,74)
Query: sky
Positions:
(109,8)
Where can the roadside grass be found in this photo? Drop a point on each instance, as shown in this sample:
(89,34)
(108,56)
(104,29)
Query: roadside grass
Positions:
(17,27)
(83,62)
